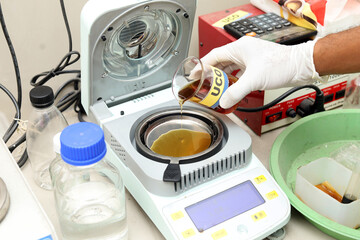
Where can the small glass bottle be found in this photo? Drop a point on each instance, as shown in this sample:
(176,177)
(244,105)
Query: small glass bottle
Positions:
(89,192)
(44,122)
(202,84)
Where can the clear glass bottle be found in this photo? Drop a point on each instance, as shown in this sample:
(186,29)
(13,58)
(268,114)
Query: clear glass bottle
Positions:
(54,165)
(44,122)
(88,190)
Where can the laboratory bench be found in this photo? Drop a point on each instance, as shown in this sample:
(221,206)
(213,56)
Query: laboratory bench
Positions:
(140,225)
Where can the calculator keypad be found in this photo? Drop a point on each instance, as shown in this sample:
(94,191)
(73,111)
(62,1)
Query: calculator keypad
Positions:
(257,25)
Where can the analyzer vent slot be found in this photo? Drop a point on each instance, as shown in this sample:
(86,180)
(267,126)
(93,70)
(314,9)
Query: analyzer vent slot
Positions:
(211,171)
(117,148)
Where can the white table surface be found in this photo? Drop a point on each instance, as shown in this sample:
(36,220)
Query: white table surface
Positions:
(140,225)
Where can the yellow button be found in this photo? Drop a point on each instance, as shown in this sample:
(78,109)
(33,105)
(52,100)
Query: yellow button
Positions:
(260,179)
(177,215)
(271,195)
(259,215)
(219,234)
(188,233)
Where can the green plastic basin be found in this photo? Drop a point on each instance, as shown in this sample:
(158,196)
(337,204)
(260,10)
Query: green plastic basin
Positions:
(306,140)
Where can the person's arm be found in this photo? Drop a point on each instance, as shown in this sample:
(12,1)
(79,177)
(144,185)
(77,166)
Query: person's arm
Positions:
(267,65)
(338,53)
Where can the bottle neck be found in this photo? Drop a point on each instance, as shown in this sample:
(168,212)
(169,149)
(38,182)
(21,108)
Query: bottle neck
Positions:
(44,109)
(92,165)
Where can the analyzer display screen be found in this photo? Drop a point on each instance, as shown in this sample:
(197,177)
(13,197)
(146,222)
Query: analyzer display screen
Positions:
(224,205)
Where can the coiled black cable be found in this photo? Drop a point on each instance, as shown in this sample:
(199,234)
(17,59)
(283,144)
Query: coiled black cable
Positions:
(64,103)
(70,58)
(65,61)
(58,70)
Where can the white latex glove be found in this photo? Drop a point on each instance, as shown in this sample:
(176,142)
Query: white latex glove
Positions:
(263,65)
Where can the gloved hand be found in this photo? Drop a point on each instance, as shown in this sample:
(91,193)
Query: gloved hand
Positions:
(263,65)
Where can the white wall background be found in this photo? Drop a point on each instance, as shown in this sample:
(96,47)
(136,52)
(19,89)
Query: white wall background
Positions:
(39,37)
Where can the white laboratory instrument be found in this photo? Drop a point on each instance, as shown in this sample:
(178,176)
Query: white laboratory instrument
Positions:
(22,215)
(130,51)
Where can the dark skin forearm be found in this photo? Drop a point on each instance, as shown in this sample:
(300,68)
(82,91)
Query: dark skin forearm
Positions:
(338,53)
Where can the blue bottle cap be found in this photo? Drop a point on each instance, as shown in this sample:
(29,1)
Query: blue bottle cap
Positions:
(82,144)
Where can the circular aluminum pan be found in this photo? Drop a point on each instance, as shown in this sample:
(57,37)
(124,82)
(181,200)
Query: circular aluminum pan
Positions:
(4,200)
(156,124)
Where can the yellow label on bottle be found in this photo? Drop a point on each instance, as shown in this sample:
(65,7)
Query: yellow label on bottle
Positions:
(231,18)
(218,86)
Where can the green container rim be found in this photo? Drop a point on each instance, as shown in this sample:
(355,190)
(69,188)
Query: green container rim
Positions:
(321,222)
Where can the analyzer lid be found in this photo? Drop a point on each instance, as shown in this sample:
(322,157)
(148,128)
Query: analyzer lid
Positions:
(132,48)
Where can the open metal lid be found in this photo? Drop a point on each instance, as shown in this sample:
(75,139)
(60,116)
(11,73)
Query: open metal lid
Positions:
(132,48)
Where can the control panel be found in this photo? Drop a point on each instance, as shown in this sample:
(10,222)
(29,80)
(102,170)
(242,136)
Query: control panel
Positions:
(243,208)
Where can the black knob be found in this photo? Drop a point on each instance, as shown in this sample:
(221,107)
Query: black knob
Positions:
(291,113)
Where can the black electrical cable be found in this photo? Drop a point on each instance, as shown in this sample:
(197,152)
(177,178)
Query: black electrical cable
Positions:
(280,98)
(14,124)
(14,58)
(65,61)
(10,131)
(66,24)
(64,99)
(69,98)
(12,128)
(62,87)
(76,81)
(13,146)
(24,156)
(72,98)
(65,102)
(79,110)
(58,70)
(23,159)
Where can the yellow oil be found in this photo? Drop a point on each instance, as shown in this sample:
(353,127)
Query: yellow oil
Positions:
(181,143)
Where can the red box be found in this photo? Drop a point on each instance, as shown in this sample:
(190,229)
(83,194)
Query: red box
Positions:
(212,36)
